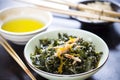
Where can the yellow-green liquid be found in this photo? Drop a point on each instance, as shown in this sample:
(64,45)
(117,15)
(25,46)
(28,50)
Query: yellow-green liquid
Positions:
(22,25)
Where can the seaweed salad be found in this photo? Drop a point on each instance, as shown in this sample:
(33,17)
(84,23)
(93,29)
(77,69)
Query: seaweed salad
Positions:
(65,55)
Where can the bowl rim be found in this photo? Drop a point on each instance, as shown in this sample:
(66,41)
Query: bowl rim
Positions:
(31,32)
(64,75)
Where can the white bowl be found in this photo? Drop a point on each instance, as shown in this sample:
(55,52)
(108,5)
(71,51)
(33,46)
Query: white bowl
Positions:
(23,12)
(100,45)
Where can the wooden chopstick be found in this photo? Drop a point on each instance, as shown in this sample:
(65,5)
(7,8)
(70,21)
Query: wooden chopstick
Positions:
(72,5)
(83,6)
(69,12)
(14,55)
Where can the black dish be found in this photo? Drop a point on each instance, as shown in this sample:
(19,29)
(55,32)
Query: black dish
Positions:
(98,25)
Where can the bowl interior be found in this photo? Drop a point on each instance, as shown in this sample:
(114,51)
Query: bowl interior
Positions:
(100,45)
(25,12)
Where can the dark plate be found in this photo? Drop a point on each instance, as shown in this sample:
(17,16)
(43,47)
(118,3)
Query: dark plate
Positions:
(84,22)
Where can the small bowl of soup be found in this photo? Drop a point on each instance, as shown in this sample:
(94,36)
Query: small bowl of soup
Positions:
(19,24)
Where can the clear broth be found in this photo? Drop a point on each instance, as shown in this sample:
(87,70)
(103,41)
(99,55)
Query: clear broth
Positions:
(22,25)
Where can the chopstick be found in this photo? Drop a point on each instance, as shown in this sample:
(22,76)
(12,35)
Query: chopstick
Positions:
(69,12)
(83,6)
(14,55)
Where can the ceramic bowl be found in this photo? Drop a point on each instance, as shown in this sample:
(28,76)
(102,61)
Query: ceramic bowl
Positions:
(97,23)
(23,12)
(100,45)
